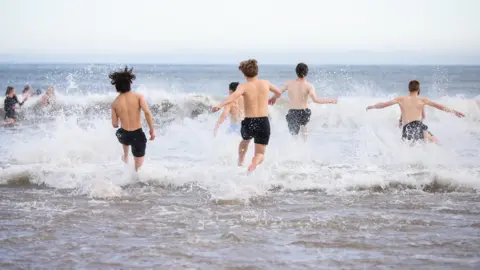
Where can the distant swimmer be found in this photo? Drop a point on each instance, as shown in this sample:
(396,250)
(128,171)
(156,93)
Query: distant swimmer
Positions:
(235,110)
(10,103)
(298,92)
(412,107)
(126,108)
(27,91)
(256,124)
(49,97)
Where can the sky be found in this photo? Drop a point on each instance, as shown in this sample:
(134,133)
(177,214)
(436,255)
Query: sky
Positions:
(217,31)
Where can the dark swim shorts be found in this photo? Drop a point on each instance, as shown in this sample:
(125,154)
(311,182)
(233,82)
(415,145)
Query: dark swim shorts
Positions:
(297,118)
(136,139)
(12,114)
(413,131)
(257,128)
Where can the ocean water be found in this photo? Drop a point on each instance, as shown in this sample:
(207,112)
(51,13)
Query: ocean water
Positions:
(351,197)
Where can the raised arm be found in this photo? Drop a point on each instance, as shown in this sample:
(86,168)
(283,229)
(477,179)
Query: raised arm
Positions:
(312,93)
(443,108)
(148,116)
(114,118)
(231,98)
(382,105)
(222,118)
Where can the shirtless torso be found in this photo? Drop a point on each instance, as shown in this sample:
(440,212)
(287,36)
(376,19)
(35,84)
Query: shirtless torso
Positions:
(126,108)
(412,109)
(299,114)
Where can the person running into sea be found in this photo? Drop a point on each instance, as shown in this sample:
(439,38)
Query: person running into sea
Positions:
(235,110)
(256,124)
(49,97)
(412,109)
(298,92)
(126,108)
(10,103)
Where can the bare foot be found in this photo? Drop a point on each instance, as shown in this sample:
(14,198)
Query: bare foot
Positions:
(125,159)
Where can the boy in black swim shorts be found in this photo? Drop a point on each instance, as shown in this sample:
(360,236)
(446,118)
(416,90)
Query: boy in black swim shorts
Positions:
(412,107)
(126,108)
(255,125)
(298,92)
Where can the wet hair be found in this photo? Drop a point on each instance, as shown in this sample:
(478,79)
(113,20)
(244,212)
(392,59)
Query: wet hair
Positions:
(39,92)
(249,68)
(26,88)
(414,86)
(233,86)
(122,79)
(9,90)
(301,70)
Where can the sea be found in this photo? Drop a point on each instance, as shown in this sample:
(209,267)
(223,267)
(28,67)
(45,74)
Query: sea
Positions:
(352,196)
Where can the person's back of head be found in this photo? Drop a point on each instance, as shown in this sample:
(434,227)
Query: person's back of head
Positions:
(301,70)
(233,86)
(249,68)
(122,79)
(26,89)
(9,90)
(414,86)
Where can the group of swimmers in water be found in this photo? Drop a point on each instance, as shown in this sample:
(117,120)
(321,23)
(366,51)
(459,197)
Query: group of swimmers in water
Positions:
(11,101)
(247,106)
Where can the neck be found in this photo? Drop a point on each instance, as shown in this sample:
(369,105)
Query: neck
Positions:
(413,94)
(301,79)
(251,79)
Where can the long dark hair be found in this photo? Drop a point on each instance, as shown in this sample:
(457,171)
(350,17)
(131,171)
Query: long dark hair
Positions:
(9,90)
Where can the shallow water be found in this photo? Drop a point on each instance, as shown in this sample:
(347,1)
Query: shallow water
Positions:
(352,197)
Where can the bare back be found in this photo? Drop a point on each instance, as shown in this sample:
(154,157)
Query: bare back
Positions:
(256,98)
(298,92)
(411,108)
(127,107)
(237,111)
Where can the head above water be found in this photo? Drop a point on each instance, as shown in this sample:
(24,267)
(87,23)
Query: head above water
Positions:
(26,89)
(233,86)
(50,91)
(414,86)
(301,70)
(249,68)
(122,79)
(10,91)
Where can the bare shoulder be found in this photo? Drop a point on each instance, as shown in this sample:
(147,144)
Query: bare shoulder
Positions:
(114,103)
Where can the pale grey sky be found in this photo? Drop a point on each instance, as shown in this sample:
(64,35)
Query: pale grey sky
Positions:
(59,28)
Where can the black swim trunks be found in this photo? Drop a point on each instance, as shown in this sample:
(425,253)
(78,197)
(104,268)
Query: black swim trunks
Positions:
(257,128)
(136,139)
(297,118)
(414,131)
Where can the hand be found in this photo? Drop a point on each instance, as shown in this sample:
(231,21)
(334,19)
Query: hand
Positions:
(369,108)
(459,114)
(215,109)
(334,101)
(272,101)
(152,134)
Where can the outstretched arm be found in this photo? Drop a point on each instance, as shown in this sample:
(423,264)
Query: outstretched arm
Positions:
(114,118)
(317,100)
(222,118)
(148,116)
(231,98)
(443,108)
(382,105)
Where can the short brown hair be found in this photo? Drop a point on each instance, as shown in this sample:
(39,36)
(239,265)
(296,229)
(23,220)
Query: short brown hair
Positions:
(249,68)
(414,86)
